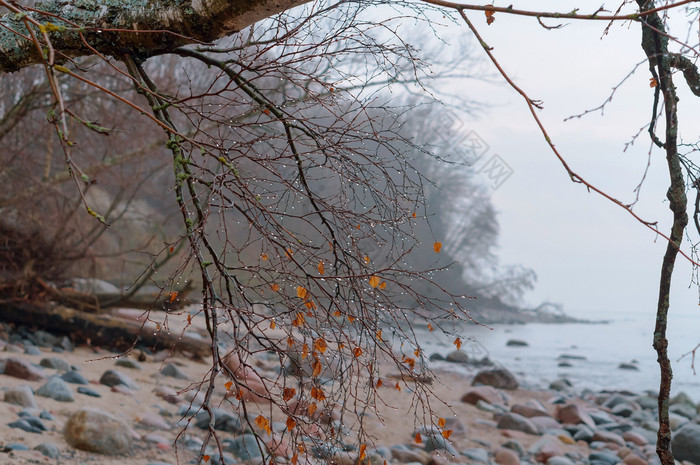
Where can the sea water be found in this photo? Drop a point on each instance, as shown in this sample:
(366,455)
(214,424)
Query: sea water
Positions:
(598,349)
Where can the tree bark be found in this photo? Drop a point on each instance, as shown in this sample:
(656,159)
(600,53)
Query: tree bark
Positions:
(655,45)
(139,27)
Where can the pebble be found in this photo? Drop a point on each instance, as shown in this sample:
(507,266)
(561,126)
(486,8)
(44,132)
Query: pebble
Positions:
(56,363)
(94,430)
(116,378)
(505,456)
(498,377)
(22,396)
(24,425)
(128,363)
(57,389)
(513,421)
(488,394)
(173,371)
(74,377)
(22,369)
(153,421)
(88,391)
(49,449)
(32,350)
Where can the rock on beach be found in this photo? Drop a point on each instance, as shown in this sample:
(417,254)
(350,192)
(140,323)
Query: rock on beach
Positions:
(94,430)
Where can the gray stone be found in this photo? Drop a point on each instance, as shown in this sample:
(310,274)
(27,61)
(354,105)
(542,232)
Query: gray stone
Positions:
(647,402)
(16,446)
(24,425)
(74,377)
(32,350)
(559,460)
(604,456)
(517,343)
(244,447)
(498,377)
(223,421)
(21,395)
(684,410)
(97,431)
(478,455)
(561,385)
(517,422)
(173,371)
(686,443)
(128,363)
(57,389)
(117,378)
(56,363)
(88,391)
(94,286)
(49,449)
(628,366)
(405,455)
(457,356)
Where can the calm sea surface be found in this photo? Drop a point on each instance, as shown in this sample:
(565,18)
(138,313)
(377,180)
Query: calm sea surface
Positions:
(623,339)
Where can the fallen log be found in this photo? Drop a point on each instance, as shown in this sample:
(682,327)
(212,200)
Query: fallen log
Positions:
(99,329)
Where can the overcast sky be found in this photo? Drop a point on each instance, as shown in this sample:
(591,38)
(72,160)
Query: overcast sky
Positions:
(590,255)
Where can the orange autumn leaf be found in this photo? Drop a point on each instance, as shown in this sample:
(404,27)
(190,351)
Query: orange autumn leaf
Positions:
(366,259)
(171,249)
(321,267)
(363,452)
(273,324)
(414,214)
(266,111)
(379,334)
(447,433)
(410,362)
(458,343)
(275,287)
(341,346)
(397,386)
(374,281)
(301,292)
(312,409)
(489,16)
(317,369)
(430,327)
(351,318)
(359,226)
(290,423)
(382,285)
(320,345)
(304,351)
(239,394)
(288,393)
(442,422)
(289,253)
(299,320)
(206,458)
(653,82)
(290,341)
(294,459)
(189,319)
(379,383)
(357,352)
(264,257)
(416,352)
(228,385)
(173,296)
(437,247)
(310,305)
(263,423)
(337,313)
(418,439)
(317,393)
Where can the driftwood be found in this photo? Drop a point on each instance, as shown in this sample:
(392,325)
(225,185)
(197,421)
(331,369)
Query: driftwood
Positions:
(88,302)
(102,329)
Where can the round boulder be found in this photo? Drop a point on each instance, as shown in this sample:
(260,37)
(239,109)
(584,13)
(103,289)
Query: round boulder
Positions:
(94,430)
(499,378)
(686,443)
